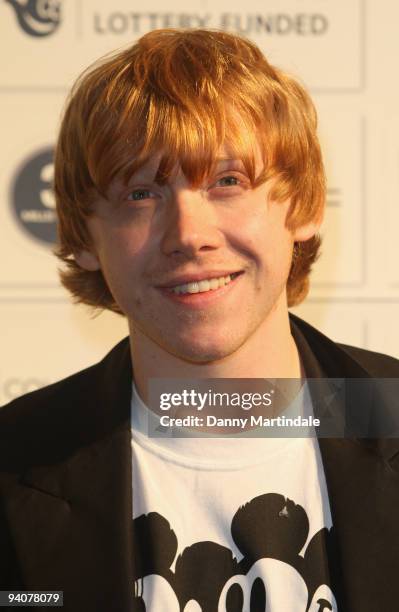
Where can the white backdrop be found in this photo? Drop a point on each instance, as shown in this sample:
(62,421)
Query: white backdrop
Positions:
(343,50)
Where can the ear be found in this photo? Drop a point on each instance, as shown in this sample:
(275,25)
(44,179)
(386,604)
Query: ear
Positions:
(87,260)
(306,231)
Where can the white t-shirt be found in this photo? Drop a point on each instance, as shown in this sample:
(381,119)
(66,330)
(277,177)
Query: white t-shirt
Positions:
(229,524)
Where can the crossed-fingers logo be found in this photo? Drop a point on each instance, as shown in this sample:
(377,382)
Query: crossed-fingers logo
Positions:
(37,17)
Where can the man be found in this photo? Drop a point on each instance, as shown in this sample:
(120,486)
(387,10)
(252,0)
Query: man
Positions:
(190,188)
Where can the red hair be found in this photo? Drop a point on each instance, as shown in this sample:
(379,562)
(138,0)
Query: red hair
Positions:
(185,93)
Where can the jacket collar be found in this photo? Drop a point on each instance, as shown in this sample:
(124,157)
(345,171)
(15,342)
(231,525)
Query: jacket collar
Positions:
(363,407)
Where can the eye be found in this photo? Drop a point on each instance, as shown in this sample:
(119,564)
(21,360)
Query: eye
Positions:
(138,195)
(228,181)
(229,185)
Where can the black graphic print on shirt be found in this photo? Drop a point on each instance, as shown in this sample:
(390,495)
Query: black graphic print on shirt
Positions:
(270,531)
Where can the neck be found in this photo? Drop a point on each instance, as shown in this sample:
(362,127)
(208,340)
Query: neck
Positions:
(270,352)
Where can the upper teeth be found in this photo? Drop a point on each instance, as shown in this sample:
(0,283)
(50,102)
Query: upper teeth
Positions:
(203,285)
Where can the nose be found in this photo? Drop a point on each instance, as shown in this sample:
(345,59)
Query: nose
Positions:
(190,225)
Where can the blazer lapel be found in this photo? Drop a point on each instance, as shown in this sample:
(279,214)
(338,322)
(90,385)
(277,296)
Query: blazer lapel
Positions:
(76,514)
(364,498)
(362,484)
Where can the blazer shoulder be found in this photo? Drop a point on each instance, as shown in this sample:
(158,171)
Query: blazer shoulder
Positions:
(379,365)
(57,419)
(340,360)
(75,384)
(40,398)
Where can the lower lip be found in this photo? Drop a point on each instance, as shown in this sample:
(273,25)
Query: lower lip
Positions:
(198,300)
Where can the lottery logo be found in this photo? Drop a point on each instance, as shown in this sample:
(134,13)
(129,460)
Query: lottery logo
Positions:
(37,17)
(33,198)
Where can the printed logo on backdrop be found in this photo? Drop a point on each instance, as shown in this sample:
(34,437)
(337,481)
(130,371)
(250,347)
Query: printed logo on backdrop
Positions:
(37,17)
(277,24)
(32,197)
(322,42)
(14,386)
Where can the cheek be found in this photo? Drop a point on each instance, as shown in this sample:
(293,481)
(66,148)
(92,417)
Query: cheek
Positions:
(124,258)
(263,237)
(278,236)
(118,235)
(123,251)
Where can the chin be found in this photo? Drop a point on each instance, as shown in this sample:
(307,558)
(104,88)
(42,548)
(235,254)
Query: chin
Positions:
(192,346)
(200,358)
(201,353)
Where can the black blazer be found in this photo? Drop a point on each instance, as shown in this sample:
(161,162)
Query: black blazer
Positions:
(66,499)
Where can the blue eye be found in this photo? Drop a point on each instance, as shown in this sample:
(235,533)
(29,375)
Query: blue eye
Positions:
(229,181)
(139,194)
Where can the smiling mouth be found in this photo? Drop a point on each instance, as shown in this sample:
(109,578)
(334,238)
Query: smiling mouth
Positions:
(203,286)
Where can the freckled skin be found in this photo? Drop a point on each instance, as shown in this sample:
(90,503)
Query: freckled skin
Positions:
(175,229)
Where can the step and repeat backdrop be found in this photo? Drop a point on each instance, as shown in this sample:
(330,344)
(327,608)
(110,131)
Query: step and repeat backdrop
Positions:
(343,51)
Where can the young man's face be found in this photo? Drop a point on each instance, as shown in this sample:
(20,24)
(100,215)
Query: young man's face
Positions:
(149,239)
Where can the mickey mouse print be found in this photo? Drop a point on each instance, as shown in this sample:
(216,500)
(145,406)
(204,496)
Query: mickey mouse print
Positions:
(273,575)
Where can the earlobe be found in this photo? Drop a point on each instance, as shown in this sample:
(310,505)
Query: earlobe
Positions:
(87,260)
